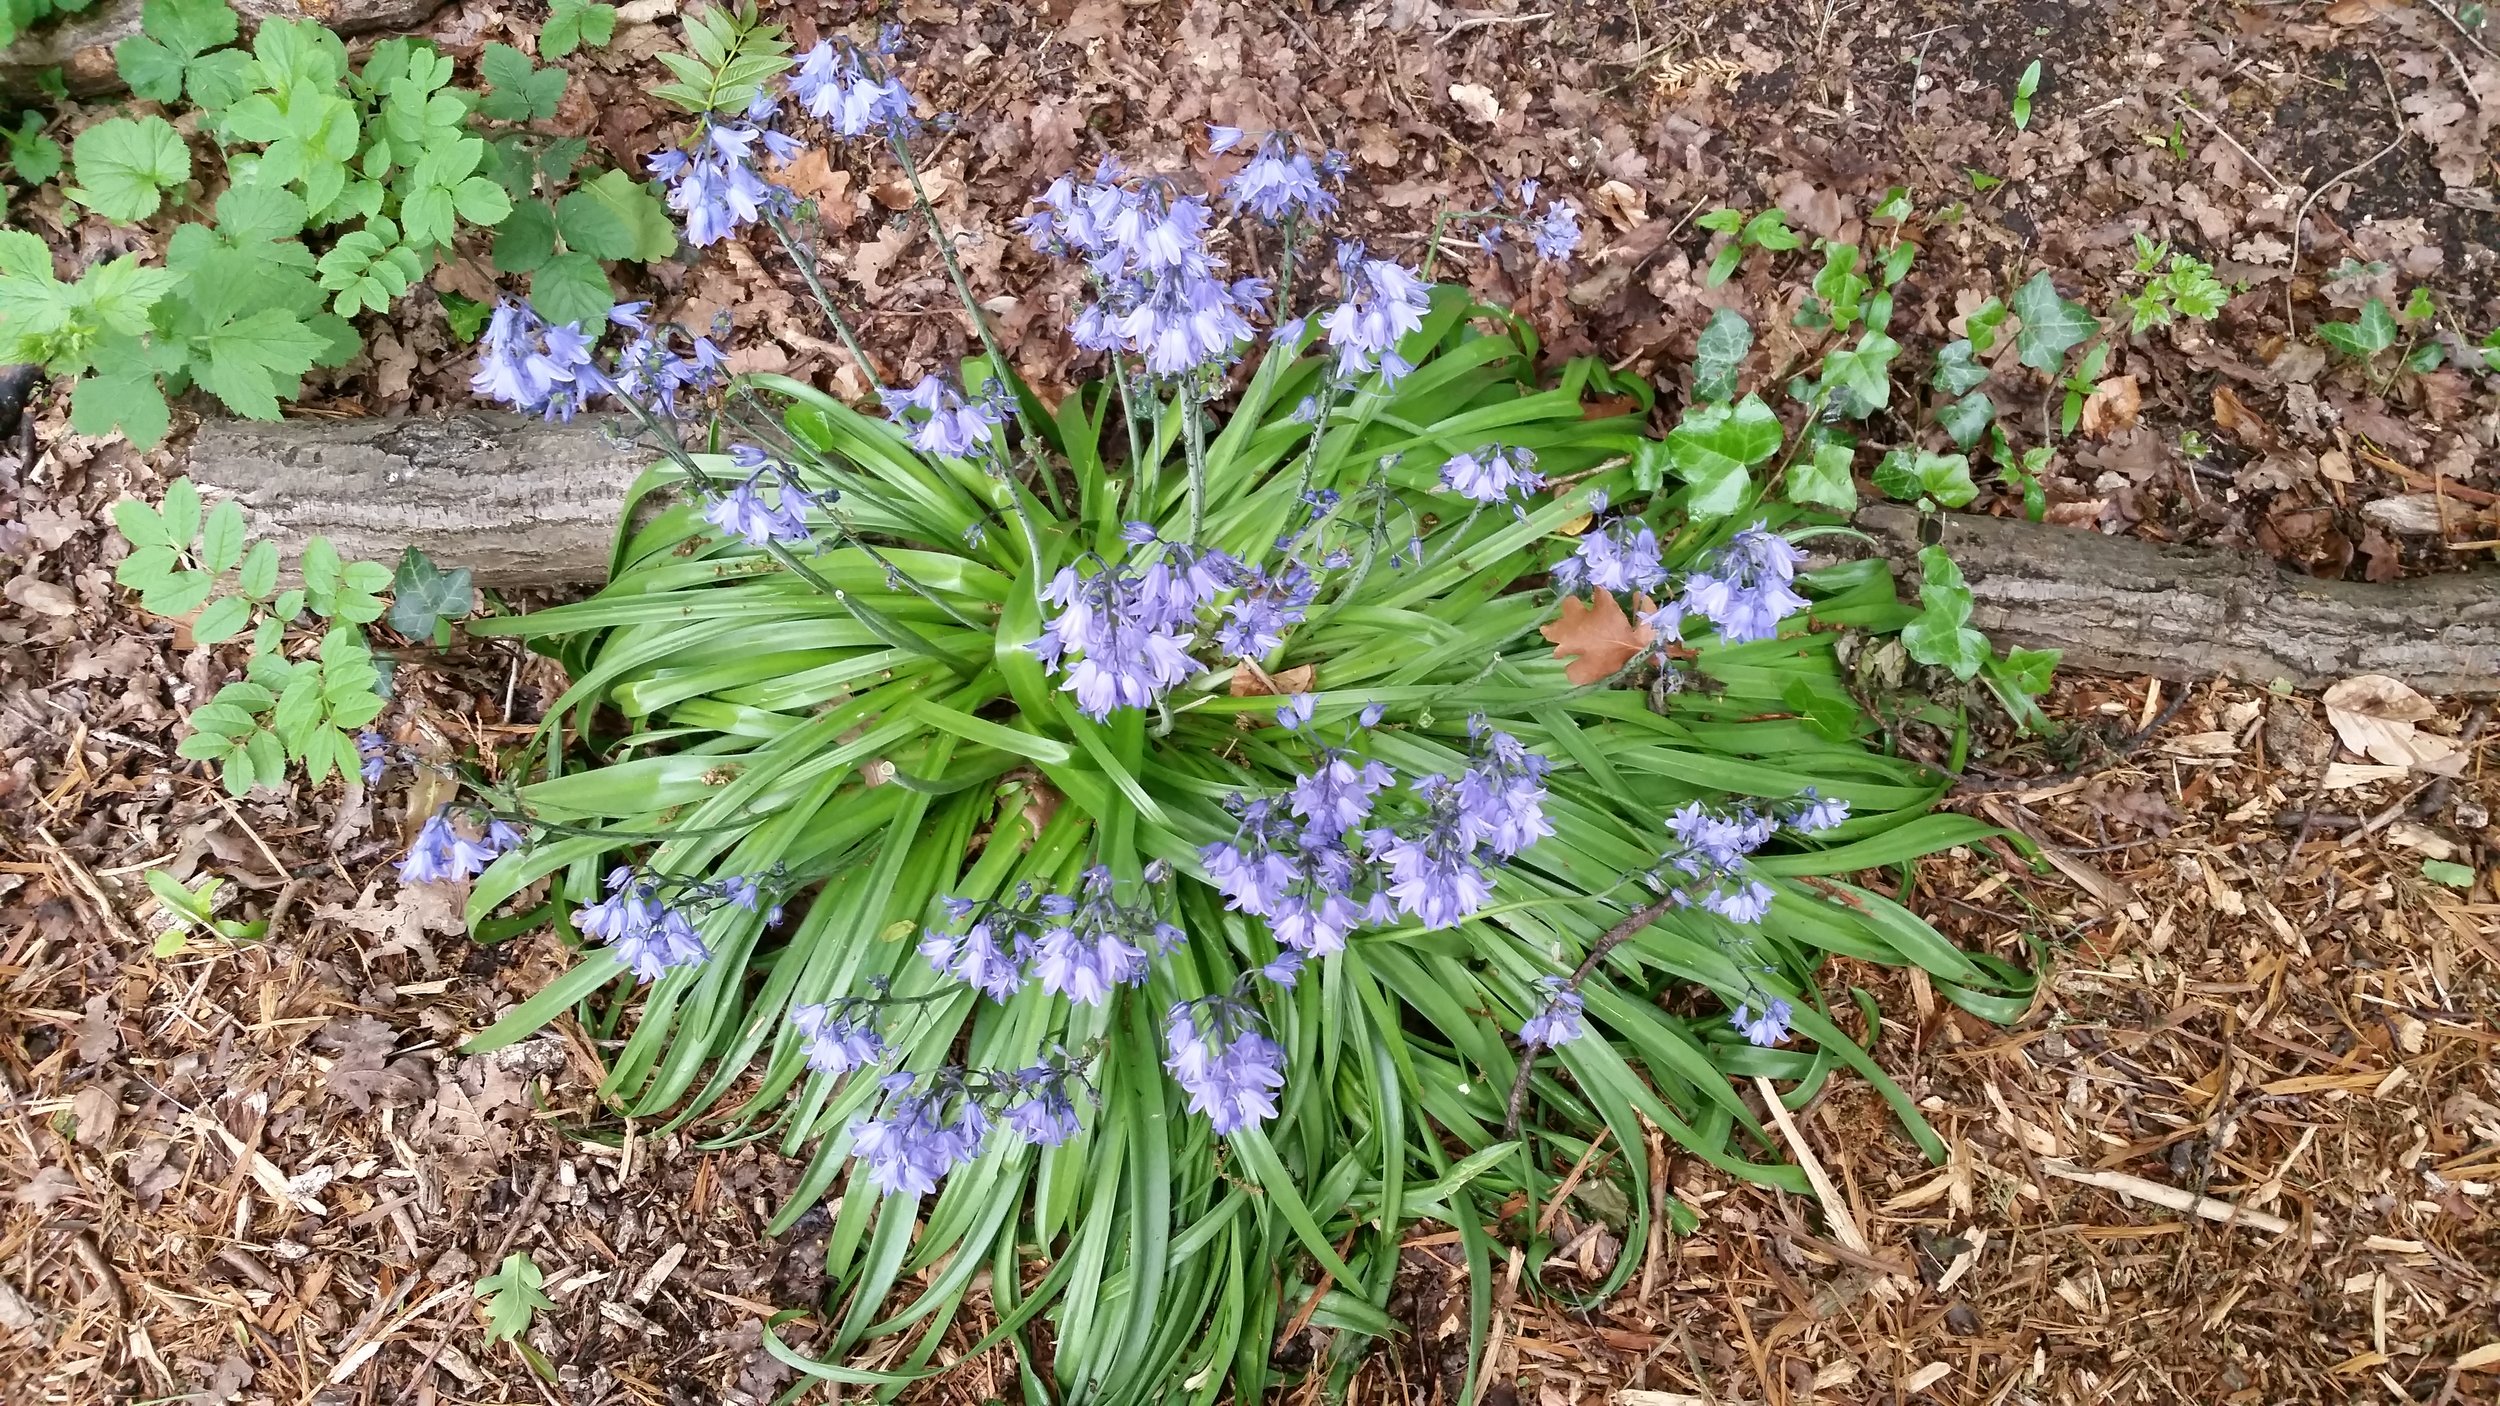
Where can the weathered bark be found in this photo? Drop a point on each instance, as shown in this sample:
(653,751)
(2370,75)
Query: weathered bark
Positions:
(521,502)
(81,45)
(2129,606)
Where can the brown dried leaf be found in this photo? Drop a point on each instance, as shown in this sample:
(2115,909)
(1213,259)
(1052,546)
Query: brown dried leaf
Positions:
(2112,406)
(1250,681)
(1597,636)
(363,1070)
(1476,101)
(812,176)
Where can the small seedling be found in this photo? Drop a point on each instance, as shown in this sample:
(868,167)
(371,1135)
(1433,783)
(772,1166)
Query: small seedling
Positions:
(513,1295)
(188,908)
(2023,89)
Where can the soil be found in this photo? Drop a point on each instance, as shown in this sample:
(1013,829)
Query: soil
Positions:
(265,1173)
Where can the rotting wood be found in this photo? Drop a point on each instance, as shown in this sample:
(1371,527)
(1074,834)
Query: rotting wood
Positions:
(80,45)
(526,503)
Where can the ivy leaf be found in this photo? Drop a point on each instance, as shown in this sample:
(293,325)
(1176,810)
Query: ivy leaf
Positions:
(1823,478)
(517,90)
(1941,635)
(1958,369)
(2372,331)
(651,235)
(572,288)
(1968,418)
(423,596)
(512,1298)
(126,164)
(2052,326)
(2030,669)
(1714,446)
(1910,474)
(1864,372)
(573,23)
(1719,353)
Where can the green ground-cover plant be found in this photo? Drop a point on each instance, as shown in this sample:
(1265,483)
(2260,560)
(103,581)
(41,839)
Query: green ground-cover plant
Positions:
(917,787)
(345,183)
(19,16)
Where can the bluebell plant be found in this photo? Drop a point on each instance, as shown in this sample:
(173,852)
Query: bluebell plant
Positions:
(1146,830)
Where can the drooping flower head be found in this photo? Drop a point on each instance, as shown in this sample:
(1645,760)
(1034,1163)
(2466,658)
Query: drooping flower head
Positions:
(651,935)
(948,424)
(1491,474)
(1381,303)
(714,183)
(1745,589)
(1766,1027)
(1558,233)
(1160,295)
(442,854)
(1230,1069)
(1278,184)
(845,88)
(839,1036)
(1558,1021)
(746,513)
(534,366)
(911,1145)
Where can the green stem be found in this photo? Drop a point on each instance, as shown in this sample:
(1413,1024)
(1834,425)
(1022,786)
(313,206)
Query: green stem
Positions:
(955,272)
(1196,428)
(824,299)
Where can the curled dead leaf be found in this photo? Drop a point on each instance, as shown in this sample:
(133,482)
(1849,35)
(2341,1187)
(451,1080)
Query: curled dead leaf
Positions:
(1597,637)
(2374,716)
(1476,101)
(2112,406)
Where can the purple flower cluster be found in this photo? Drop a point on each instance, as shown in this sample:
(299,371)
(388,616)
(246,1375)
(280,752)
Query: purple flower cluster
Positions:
(442,854)
(713,182)
(1381,302)
(1620,555)
(948,423)
(1127,631)
(543,368)
(1745,589)
(1491,474)
(1556,235)
(1712,848)
(651,935)
(745,513)
(912,1144)
(1279,183)
(1767,1028)
(1230,1069)
(1267,605)
(839,1036)
(1558,1021)
(839,85)
(1311,865)
(1081,945)
(1161,295)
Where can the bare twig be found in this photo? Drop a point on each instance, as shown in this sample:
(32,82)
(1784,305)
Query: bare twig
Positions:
(2300,221)
(2225,133)
(1482,21)
(1614,937)
(85,883)
(2459,26)
(2172,1198)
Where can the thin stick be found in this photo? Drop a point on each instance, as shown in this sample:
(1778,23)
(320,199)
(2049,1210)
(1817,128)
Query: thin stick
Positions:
(1615,937)
(2459,26)
(86,884)
(2225,133)
(2173,1199)
(2300,221)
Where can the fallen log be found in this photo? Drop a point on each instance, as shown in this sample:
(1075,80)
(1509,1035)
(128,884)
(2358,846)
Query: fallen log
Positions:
(2124,605)
(525,503)
(81,45)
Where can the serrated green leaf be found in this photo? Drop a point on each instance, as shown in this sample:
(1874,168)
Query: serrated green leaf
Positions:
(517,90)
(651,234)
(177,595)
(572,288)
(1719,353)
(2052,325)
(573,23)
(524,242)
(259,575)
(141,525)
(123,399)
(181,507)
(221,537)
(125,165)
(249,361)
(221,620)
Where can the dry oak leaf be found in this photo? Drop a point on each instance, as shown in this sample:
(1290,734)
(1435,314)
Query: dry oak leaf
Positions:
(1476,101)
(2375,717)
(1597,637)
(813,177)
(2112,406)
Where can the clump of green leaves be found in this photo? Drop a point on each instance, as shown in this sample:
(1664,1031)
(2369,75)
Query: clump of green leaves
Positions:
(729,56)
(2186,287)
(188,562)
(345,184)
(574,24)
(19,16)
(1768,230)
